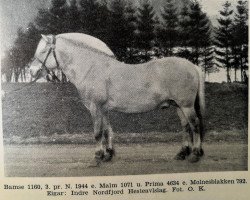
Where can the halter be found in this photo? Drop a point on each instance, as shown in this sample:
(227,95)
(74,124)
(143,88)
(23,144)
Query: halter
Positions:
(43,66)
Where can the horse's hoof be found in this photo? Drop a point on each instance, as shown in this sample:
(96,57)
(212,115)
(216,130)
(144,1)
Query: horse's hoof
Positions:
(184,152)
(99,155)
(180,157)
(193,158)
(107,158)
(109,155)
(196,155)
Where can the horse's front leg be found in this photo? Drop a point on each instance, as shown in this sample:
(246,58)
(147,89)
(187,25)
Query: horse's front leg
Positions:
(97,118)
(108,137)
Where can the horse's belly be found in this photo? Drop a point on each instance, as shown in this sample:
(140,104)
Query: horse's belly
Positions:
(134,103)
(131,108)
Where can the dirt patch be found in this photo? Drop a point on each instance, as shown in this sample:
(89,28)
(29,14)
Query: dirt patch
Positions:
(133,159)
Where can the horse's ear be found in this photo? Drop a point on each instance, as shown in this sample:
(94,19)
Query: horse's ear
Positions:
(45,38)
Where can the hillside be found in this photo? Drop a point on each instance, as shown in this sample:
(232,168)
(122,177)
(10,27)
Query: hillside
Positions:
(46,109)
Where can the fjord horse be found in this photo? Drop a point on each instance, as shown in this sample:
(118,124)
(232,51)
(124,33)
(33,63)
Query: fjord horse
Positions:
(105,84)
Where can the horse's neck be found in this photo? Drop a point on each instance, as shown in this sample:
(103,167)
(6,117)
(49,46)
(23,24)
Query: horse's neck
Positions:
(74,61)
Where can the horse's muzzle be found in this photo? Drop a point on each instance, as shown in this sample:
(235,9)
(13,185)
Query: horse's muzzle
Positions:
(37,72)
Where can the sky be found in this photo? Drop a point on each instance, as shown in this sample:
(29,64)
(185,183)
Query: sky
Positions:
(212,6)
(18,13)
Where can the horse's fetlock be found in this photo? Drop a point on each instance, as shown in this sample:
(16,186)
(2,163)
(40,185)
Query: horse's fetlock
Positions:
(110,151)
(98,136)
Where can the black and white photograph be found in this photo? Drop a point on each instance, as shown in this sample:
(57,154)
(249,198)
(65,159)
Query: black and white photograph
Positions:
(124,88)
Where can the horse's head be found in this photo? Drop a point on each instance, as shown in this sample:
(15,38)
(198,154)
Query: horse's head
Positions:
(45,57)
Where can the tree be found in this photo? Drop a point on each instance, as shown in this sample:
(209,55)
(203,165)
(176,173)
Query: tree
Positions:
(53,19)
(168,33)
(184,22)
(207,60)
(207,53)
(240,37)
(118,33)
(89,16)
(145,26)
(122,26)
(223,38)
(102,21)
(72,20)
(130,29)
(184,33)
(199,30)
(235,49)
(17,58)
(8,65)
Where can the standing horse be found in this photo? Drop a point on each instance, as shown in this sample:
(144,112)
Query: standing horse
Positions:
(105,84)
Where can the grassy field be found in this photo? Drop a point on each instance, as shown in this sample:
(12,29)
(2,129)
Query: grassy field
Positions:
(46,110)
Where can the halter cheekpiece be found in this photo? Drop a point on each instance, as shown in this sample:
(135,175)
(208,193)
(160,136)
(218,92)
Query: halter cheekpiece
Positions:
(43,66)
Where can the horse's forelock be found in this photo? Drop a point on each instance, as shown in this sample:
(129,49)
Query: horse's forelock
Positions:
(45,41)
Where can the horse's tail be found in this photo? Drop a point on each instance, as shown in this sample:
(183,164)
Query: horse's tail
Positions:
(200,103)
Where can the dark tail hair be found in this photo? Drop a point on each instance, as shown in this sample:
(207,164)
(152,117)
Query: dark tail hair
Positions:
(200,104)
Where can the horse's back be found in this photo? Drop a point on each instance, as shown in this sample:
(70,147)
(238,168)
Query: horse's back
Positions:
(167,70)
(144,86)
(175,65)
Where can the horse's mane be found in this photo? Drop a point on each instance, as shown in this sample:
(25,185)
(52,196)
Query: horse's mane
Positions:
(88,41)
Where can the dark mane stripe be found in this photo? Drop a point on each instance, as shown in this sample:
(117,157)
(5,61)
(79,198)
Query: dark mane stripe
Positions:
(86,46)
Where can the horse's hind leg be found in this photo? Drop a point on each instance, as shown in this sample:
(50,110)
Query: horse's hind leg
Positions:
(193,122)
(108,136)
(187,137)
